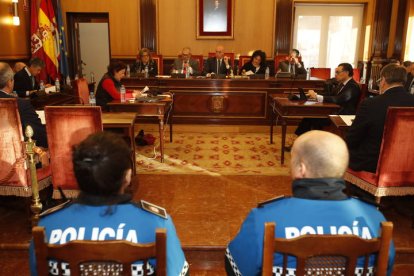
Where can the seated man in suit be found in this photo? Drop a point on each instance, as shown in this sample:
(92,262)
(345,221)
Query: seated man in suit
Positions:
(364,137)
(25,80)
(218,65)
(185,63)
(292,64)
(28,115)
(318,206)
(103,211)
(346,94)
(409,84)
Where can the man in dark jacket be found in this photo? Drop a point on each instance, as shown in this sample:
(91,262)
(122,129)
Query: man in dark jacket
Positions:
(346,95)
(28,115)
(364,137)
(25,80)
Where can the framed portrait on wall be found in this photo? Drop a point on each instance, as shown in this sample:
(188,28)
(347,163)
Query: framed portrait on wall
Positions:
(215,19)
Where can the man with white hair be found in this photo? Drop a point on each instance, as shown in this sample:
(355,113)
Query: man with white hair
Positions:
(27,113)
(318,206)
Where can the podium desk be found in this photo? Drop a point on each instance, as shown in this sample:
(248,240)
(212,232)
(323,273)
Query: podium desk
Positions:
(287,110)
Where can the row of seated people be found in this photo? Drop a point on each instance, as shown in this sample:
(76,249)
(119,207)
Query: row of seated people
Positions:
(105,211)
(392,80)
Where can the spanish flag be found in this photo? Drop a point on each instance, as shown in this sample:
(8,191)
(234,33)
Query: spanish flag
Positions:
(50,37)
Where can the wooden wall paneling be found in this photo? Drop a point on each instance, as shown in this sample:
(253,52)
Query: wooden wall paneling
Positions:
(400,27)
(382,20)
(148,24)
(284,25)
(15,40)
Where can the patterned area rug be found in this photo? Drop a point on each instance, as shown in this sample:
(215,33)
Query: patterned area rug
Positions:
(214,154)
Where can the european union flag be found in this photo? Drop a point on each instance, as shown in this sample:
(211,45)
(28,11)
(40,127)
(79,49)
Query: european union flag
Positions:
(63,53)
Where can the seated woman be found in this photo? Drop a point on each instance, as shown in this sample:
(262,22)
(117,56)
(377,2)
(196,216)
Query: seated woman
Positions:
(110,85)
(145,61)
(103,211)
(256,65)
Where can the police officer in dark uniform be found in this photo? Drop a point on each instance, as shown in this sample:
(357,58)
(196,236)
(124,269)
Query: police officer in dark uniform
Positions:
(318,206)
(103,211)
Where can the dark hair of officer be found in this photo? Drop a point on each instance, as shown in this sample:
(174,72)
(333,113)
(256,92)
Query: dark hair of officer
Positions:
(116,66)
(36,62)
(296,51)
(394,74)
(100,163)
(348,68)
(262,56)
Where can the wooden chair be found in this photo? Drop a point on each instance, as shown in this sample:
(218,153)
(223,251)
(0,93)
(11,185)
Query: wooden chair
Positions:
(67,126)
(321,73)
(230,55)
(243,60)
(357,75)
(159,60)
(81,90)
(18,175)
(394,175)
(277,59)
(321,254)
(89,256)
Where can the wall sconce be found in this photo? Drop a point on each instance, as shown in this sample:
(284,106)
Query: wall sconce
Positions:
(16,19)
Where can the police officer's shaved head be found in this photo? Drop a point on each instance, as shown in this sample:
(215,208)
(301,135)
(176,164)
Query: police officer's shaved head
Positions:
(319,154)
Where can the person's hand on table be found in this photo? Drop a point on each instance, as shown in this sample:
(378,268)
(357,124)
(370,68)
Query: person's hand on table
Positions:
(311,94)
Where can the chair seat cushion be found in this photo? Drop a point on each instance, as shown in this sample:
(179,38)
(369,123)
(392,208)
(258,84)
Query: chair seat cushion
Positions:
(369,177)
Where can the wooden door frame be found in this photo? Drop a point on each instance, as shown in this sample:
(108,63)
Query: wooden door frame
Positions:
(73,18)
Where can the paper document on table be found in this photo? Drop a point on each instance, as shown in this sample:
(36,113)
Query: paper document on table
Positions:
(348,119)
(41,114)
(50,89)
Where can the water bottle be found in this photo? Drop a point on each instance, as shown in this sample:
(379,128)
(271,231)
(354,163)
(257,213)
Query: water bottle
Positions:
(76,77)
(370,83)
(92,77)
(123,92)
(146,71)
(308,73)
(187,73)
(231,73)
(68,81)
(128,71)
(267,72)
(412,90)
(92,99)
(57,85)
(41,85)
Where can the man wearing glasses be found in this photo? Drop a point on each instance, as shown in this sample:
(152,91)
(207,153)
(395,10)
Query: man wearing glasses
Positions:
(185,64)
(218,65)
(346,95)
(365,134)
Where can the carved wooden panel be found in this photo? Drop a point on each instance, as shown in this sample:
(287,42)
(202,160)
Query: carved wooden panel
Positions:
(284,23)
(148,24)
(399,31)
(382,21)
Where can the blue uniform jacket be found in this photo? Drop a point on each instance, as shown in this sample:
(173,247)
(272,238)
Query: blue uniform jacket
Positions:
(301,216)
(125,221)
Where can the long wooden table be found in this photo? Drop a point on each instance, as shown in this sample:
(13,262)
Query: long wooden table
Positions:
(286,110)
(223,101)
(162,110)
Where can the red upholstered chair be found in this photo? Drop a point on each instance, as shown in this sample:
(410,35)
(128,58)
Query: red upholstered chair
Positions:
(15,176)
(81,90)
(395,170)
(321,73)
(67,126)
(278,59)
(243,60)
(357,75)
(158,59)
(230,55)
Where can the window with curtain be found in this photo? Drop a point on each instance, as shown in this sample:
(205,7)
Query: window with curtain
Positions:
(327,35)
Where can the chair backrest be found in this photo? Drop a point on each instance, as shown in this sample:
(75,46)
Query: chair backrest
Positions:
(357,75)
(158,59)
(89,256)
(81,90)
(67,126)
(336,252)
(321,73)
(230,55)
(243,60)
(277,59)
(13,175)
(396,159)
